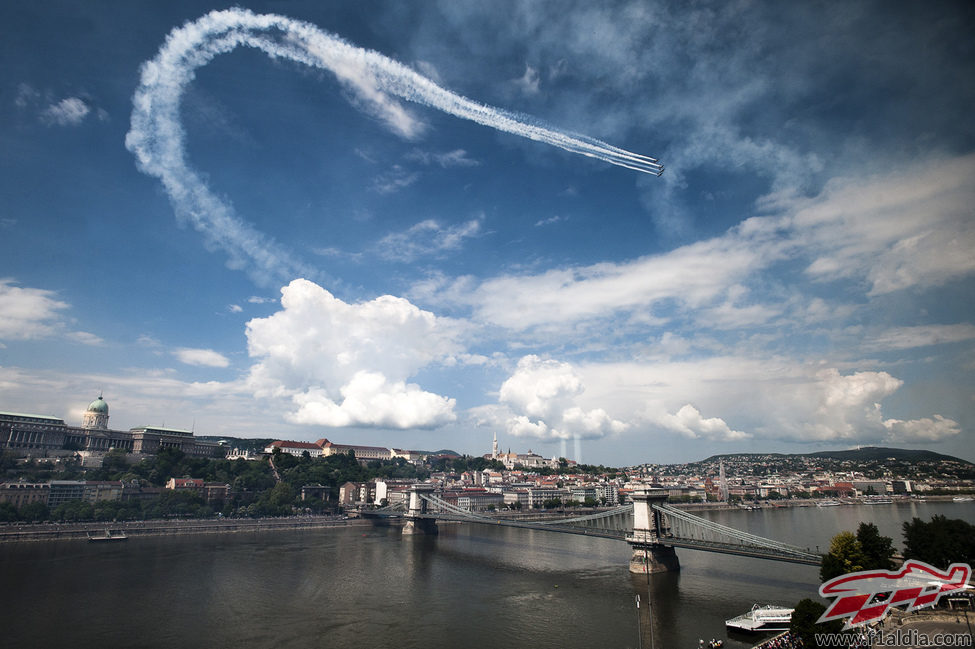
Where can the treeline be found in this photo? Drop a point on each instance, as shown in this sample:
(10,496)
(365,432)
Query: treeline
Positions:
(254,490)
(169,504)
(939,542)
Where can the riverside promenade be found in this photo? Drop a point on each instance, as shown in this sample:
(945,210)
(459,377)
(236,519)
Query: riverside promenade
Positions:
(13,532)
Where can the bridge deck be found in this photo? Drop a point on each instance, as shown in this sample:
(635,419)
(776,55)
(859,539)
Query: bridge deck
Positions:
(621,535)
(692,532)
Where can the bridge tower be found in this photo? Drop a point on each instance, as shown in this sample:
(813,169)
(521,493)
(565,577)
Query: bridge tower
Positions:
(649,527)
(416,521)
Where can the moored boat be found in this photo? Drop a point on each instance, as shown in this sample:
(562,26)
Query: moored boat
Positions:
(762,618)
(109,535)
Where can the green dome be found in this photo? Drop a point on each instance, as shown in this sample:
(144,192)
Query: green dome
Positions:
(99,406)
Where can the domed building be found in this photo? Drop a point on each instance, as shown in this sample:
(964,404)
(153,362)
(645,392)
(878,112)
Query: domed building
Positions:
(24,435)
(96,417)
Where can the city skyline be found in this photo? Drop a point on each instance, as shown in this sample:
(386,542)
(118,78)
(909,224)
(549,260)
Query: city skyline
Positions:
(419,225)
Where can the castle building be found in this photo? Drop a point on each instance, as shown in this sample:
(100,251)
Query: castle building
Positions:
(23,435)
(96,417)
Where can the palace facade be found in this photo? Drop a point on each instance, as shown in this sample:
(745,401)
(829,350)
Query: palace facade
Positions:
(23,435)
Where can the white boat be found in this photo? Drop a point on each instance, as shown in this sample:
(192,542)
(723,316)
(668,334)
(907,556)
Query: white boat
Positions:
(828,503)
(877,501)
(962,499)
(762,618)
(109,535)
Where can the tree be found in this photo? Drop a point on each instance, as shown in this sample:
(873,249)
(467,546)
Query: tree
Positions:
(845,555)
(878,550)
(8,513)
(35,511)
(74,510)
(867,550)
(804,624)
(941,542)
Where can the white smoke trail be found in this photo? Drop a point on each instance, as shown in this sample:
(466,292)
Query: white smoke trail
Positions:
(156,136)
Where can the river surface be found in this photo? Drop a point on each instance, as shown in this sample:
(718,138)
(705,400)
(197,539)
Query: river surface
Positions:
(473,586)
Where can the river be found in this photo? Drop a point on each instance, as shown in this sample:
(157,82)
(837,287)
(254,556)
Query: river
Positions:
(473,586)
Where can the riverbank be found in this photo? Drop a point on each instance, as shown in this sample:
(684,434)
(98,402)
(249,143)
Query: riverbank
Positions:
(18,532)
(802,502)
(81,531)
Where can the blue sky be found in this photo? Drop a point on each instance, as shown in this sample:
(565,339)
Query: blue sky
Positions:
(421,224)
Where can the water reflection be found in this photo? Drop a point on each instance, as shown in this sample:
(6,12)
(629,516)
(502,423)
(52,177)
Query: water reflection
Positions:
(473,586)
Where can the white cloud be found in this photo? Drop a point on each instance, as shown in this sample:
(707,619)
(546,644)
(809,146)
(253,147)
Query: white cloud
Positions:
(235,308)
(369,399)
(773,398)
(687,275)
(552,220)
(427,238)
(86,338)
(910,227)
(347,364)
(541,399)
(920,430)
(394,179)
(455,158)
(920,336)
(689,422)
(28,313)
(201,357)
(528,83)
(70,111)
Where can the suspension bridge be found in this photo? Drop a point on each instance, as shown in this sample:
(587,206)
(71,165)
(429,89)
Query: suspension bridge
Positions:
(654,529)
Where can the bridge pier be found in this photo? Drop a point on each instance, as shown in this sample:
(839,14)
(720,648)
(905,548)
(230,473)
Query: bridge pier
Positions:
(650,555)
(416,521)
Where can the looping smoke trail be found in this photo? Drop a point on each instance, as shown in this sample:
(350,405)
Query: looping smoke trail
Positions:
(156,136)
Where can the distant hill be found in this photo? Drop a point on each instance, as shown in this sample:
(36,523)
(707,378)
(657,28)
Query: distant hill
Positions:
(876,453)
(862,454)
(441,452)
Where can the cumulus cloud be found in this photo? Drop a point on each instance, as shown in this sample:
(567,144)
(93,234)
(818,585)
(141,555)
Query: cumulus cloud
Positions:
(771,398)
(347,364)
(28,313)
(541,399)
(689,422)
(849,408)
(201,357)
(369,399)
(921,430)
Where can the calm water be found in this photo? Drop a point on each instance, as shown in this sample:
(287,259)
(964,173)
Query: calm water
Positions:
(473,586)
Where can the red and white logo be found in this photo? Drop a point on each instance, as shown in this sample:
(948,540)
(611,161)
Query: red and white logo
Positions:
(867,596)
